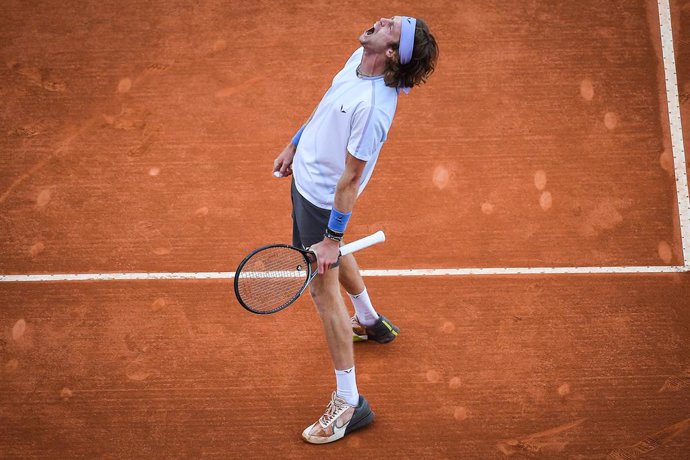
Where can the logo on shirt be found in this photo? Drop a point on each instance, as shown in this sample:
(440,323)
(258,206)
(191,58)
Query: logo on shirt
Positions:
(342,109)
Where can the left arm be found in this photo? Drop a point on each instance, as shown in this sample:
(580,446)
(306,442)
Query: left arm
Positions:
(345,196)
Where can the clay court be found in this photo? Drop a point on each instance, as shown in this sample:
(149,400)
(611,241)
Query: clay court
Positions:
(533,194)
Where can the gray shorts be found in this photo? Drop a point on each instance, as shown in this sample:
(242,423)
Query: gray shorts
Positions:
(309,222)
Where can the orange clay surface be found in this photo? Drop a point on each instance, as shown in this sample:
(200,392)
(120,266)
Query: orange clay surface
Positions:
(140,136)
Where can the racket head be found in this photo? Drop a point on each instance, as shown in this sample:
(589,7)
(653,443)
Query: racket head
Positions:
(272,277)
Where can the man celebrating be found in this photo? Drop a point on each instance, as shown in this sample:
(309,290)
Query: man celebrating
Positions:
(332,157)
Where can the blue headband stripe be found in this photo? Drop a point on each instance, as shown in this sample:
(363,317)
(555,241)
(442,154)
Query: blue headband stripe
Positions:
(406,39)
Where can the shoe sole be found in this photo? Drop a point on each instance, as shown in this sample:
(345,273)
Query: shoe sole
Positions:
(366,338)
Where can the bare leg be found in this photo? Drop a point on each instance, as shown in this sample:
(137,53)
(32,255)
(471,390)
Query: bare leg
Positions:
(347,406)
(325,291)
(368,323)
(351,280)
(350,277)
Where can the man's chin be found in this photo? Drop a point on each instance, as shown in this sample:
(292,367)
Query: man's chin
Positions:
(366,34)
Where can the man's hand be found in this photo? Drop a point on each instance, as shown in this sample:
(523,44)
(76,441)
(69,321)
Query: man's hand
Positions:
(282,165)
(327,252)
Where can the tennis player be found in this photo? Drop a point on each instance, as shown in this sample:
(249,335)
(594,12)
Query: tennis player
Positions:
(332,157)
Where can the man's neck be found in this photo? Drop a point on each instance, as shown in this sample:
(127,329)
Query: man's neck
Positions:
(372,64)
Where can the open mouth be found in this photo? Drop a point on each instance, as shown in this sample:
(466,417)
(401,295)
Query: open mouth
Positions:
(370,31)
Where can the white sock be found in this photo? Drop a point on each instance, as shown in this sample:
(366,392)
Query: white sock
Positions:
(347,385)
(364,309)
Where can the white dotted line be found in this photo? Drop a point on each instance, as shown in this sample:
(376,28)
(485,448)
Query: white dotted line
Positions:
(508,271)
(676,126)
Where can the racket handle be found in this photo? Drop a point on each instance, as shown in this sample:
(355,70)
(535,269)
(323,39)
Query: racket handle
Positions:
(376,238)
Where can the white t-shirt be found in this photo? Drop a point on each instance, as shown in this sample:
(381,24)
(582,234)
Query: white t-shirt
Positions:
(354,116)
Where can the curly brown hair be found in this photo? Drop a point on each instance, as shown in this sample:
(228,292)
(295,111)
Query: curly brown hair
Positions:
(422,64)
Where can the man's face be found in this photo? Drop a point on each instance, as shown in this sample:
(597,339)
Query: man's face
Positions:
(384,33)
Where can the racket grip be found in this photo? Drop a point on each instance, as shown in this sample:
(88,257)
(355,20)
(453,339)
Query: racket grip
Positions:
(376,238)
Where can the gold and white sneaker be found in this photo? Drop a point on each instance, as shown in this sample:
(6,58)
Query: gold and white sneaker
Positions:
(339,419)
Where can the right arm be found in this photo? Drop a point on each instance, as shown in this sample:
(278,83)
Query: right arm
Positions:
(283,163)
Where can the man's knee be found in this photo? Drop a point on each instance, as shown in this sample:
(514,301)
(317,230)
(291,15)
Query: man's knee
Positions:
(324,289)
(350,277)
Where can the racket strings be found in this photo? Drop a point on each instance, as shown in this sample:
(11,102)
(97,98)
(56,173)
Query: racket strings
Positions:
(272,277)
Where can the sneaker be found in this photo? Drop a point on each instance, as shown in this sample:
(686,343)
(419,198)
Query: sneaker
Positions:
(382,331)
(339,419)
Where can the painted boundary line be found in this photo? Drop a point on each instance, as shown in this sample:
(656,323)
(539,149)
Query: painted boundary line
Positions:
(675,126)
(683,197)
(368,273)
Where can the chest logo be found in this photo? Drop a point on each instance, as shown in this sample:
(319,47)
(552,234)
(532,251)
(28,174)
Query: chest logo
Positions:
(342,109)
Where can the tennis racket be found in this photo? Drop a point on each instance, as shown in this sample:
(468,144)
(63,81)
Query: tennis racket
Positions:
(273,277)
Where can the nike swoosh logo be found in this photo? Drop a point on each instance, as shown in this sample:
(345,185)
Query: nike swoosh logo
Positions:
(339,429)
(341,109)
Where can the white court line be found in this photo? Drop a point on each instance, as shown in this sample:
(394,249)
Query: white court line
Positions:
(681,189)
(378,273)
(676,126)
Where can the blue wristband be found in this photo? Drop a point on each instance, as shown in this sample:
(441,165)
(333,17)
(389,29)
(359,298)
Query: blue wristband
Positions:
(296,137)
(338,220)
